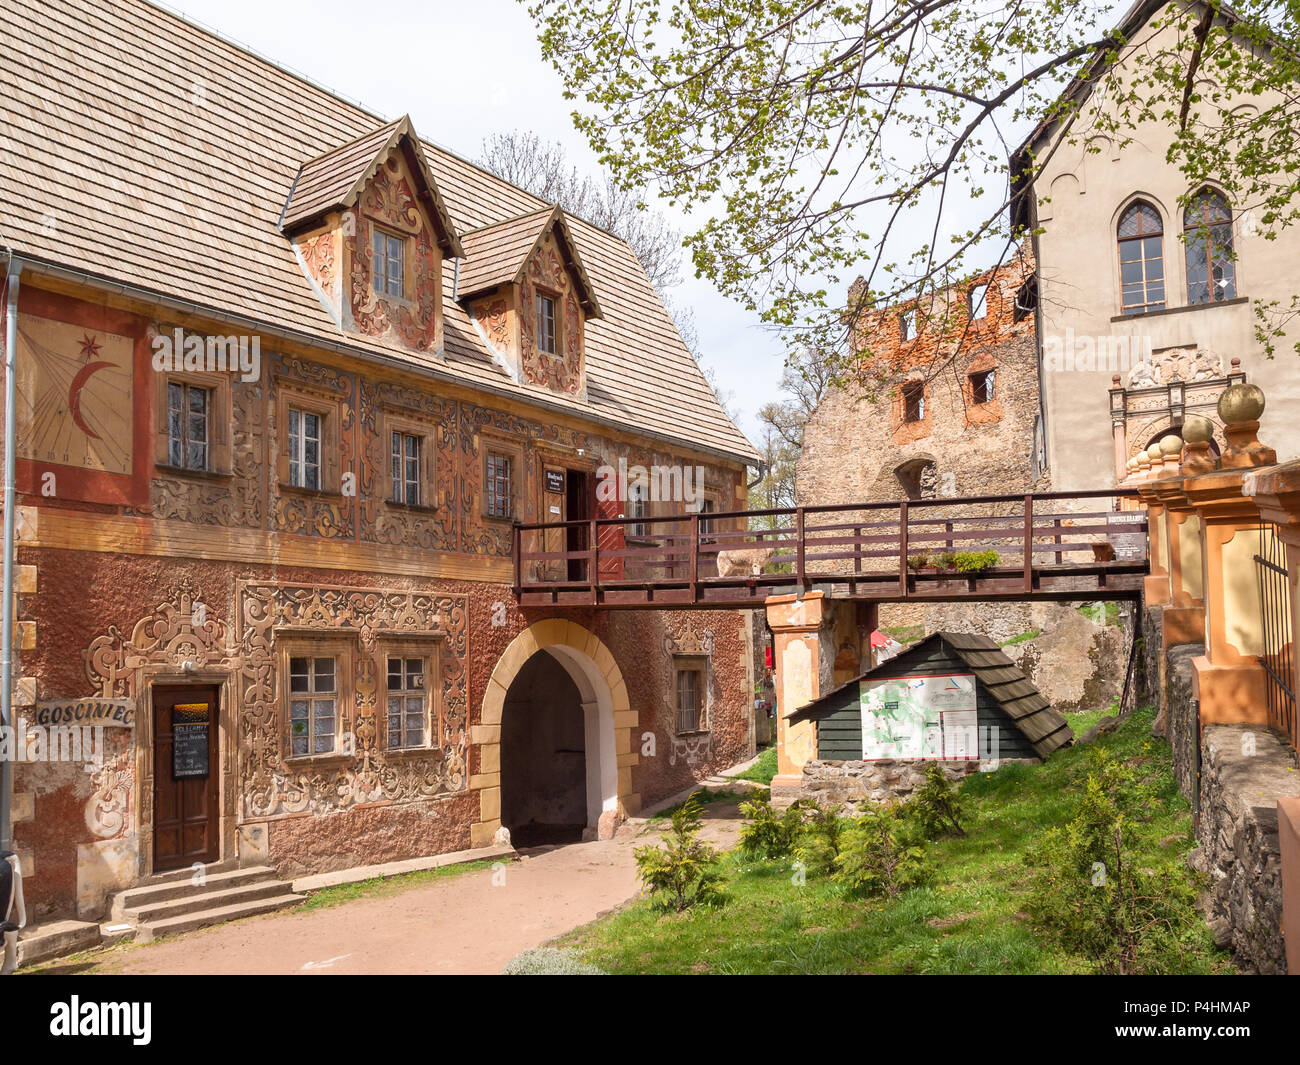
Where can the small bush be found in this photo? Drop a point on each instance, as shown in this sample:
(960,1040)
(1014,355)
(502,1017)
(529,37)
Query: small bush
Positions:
(935,805)
(819,840)
(880,854)
(547,961)
(768,834)
(682,873)
(918,561)
(1088,893)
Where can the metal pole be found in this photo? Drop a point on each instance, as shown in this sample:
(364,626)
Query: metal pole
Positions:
(7,611)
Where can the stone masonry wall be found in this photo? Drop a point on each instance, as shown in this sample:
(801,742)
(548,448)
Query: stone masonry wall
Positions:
(841,783)
(1244,770)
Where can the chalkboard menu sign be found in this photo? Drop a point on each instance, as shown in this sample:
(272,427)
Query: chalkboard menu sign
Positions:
(555,480)
(190,724)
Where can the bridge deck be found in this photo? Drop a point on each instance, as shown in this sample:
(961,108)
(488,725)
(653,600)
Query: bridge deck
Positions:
(1047,546)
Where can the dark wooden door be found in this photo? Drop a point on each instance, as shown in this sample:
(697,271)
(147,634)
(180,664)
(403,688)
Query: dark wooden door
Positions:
(577,507)
(185,771)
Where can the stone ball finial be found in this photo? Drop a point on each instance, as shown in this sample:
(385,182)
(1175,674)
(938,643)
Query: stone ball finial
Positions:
(1241,403)
(1236,363)
(1114,380)
(1153,453)
(1198,430)
(1170,444)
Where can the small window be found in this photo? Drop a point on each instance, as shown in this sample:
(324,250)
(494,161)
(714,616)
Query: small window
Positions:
(907,325)
(983,386)
(1207,229)
(690,687)
(546,325)
(390,264)
(977,301)
(914,402)
(636,509)
(406,468)
(304,449)
(407,703)
(1141,259)
(313,706)
(499,485)
(188,407)
(706,524)
(1026,300)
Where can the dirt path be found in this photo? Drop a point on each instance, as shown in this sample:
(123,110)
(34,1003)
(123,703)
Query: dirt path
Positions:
(464,924)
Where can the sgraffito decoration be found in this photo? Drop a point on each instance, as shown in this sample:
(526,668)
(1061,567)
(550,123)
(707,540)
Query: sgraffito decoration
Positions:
(387,200)
(177,631)
(561,372)
(270,784)
(696,748)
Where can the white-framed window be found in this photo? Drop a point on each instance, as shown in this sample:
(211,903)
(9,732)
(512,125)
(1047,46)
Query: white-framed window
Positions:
(546,337)
(188,413)
(406,468)
(499,476)
(408,703)
(390,264)
(304,448)
(313,705)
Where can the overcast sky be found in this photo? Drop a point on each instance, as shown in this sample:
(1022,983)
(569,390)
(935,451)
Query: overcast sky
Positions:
(463,71)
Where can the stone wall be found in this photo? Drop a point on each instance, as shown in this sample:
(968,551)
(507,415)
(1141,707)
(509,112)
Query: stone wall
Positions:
(1244,770)
(852,783)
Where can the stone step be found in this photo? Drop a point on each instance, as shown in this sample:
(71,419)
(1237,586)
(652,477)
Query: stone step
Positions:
(53,939)
(212,898)
(183,886)
(217,915)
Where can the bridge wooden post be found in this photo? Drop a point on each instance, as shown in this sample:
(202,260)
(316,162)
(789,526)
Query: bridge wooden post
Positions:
(902,548)
(1029,543)
(695,557)
(799,548)
(593,574)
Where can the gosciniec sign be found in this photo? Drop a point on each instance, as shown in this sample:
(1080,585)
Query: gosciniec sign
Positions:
(106,713)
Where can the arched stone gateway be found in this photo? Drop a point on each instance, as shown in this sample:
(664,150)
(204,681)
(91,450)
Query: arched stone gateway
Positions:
(607,722)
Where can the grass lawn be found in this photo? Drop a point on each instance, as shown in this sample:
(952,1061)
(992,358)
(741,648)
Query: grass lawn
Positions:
(968,919)
(763,770)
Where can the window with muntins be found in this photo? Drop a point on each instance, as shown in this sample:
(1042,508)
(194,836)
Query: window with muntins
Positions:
(546,325)
(188,408)
(304,449)
(408,706)
(1141,259)
(390,264)
(313,706)
(499,476)
(406,468)
(689,689)
(1207,231)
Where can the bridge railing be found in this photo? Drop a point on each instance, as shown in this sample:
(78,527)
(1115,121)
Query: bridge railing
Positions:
(919,544)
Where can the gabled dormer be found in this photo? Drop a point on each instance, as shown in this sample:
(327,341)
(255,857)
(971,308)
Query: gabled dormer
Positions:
(371,232)
(529,296)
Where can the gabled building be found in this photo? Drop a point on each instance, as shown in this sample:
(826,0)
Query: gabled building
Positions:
(1144,315)
(289,378)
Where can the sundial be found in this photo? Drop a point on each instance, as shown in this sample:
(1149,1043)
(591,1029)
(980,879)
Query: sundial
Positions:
(74,395)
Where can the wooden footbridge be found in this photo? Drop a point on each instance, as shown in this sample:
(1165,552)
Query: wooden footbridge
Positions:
(1058,546)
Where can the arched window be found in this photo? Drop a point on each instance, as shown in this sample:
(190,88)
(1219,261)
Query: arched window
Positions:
(1141,259)
(1207,229)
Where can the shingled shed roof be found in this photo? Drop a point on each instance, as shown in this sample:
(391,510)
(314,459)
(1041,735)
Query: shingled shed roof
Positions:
(335,180)
(118,174)
(497,255)
(1043,727)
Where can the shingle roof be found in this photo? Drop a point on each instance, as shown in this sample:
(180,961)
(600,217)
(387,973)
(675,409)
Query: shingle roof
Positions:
(173,187)
(335,179)
(1045,728)
(497,255)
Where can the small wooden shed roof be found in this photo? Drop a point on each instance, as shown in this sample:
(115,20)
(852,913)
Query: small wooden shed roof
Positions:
(1044,728)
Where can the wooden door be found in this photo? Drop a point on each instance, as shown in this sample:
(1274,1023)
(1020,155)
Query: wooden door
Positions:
(185,774)
(576,508)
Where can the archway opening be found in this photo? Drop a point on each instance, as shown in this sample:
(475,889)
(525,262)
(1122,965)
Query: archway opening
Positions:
(544,751)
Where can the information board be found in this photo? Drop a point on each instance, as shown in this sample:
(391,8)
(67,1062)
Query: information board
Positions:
(190,724)
(919,717)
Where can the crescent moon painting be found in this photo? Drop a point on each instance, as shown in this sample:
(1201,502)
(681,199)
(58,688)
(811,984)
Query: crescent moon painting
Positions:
(74,387)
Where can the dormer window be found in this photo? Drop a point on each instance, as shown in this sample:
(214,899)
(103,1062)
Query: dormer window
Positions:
(390,264)
(546,341)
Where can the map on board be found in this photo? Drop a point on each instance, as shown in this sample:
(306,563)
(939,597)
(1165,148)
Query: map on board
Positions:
(919,717)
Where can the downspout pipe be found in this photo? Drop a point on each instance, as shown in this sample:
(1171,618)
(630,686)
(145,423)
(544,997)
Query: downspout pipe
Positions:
(7,610)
